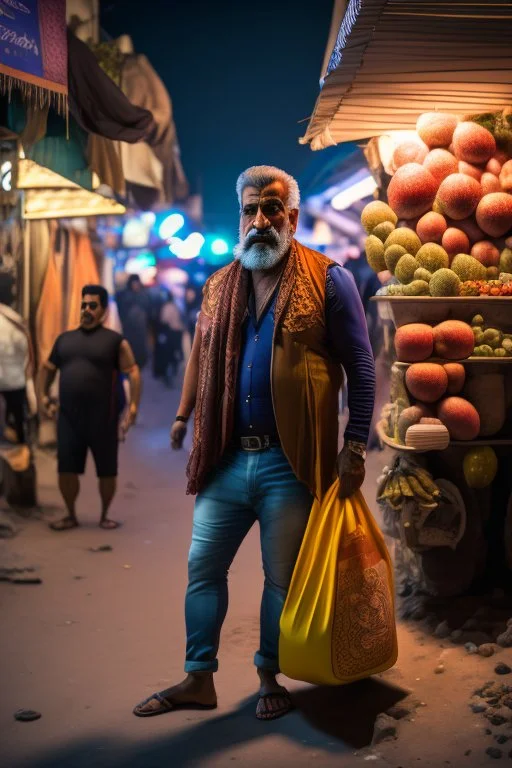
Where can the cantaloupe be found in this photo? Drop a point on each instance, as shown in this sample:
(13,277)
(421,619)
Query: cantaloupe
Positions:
(405,268)
(432,257)
(489,183)
(444,282)
(455,241)
(375,213)
(409,152)
(460,418)
(456,376)
(383,230)
(486,253)
(440,163)
(426,381)
(468,268)
(494,213)
(470,170)
(453,340)
(431,227)
(392,255)
(405,237)
(473,143)
(375,253)
(414,342)
(411,191)
(436,128)
(458,196)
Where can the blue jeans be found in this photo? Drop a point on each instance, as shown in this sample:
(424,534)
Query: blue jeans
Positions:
(245,488)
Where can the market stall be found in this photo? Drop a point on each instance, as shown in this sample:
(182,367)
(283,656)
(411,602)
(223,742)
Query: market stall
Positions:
(438,131)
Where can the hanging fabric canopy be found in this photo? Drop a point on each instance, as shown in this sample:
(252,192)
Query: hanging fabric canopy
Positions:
(394,59)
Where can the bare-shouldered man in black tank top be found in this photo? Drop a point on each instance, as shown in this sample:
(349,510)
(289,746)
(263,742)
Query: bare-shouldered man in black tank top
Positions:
(90,360)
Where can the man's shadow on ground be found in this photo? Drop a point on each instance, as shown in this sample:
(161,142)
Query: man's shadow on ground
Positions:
(335,720)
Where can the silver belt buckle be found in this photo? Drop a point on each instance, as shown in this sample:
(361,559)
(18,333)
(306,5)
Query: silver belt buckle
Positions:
(254,443)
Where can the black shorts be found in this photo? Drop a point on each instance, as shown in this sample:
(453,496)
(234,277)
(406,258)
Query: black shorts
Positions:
(80,430)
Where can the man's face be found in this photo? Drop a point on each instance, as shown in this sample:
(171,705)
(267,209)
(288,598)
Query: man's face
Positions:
(92,312)
(267,226)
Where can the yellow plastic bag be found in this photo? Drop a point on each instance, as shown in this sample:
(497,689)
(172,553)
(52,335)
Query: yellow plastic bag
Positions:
(338,622)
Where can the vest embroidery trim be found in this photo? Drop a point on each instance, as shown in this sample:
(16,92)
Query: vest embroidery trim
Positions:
(298,307)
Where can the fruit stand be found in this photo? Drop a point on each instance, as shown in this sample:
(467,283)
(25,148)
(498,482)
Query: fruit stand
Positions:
(444,235)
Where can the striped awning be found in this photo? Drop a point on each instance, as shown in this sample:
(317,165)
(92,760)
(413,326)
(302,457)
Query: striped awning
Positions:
(394,59)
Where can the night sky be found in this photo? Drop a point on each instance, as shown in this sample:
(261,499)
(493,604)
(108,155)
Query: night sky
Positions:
(240,74)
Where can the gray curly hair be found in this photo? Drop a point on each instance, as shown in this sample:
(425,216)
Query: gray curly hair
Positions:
(260,176)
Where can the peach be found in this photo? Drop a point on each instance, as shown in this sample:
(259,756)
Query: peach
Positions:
(411,191)
(470,170)
(486,253)
(455,241)
(409,152)
(431,227)
(490,183)
(426,381)
(436,128)
(453,340)
(440,163)
(494,213)
(458,195)
(414,342)
(473,143)
(459,417)
(456,377)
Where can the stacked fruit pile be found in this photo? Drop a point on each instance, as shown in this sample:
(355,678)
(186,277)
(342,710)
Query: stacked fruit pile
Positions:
(490,342)
(450,210)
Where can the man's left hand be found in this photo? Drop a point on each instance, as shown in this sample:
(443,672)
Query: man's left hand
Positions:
(129,420)
(351,472)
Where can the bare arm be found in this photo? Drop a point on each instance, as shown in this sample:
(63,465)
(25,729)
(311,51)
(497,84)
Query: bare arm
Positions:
(46,379)
(188,393)
(128,366)
(191,378)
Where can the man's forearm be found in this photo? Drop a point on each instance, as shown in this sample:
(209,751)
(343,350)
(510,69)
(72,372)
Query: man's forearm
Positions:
(189,391)
(47,378)
(134,379)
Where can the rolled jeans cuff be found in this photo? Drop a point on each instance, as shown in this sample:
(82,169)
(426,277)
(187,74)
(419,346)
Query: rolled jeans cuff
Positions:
(201,666)
(270,665)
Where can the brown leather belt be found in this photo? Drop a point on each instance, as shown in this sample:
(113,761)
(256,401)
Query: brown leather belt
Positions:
(257,442)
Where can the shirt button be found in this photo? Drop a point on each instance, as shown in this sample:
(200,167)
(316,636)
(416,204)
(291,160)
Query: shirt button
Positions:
(250,426)
(248,398)
(249,365)
(256,338)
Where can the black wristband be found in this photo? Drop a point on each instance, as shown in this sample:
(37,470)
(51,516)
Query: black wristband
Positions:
(181,418)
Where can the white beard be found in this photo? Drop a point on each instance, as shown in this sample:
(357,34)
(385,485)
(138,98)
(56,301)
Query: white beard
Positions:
(263,256)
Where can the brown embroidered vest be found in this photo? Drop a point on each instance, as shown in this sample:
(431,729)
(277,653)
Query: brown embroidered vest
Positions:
(305,380)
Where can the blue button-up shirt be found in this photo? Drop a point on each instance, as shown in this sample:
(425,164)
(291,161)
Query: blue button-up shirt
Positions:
(348,344)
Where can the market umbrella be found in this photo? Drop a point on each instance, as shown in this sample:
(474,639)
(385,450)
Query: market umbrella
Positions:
(394,59)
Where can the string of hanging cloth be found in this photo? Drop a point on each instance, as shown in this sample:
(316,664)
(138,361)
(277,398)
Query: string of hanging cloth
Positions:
(394,59)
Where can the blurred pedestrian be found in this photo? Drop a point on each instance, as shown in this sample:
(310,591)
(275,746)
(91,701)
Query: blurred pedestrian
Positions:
(168,341)
(89,360)
(134,311)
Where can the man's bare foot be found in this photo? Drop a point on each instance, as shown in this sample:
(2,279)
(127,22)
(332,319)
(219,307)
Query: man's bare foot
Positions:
(197,691)
(109,525)
(274,700)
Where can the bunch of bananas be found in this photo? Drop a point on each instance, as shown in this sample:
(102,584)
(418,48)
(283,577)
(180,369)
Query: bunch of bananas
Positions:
(405,479)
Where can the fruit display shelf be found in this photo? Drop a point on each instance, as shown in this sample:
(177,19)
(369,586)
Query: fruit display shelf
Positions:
(433,309)
(386,440)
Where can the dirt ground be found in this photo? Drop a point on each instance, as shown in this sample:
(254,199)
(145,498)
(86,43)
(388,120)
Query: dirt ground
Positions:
(105,629)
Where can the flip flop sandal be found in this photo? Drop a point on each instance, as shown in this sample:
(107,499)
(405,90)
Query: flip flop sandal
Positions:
(264,711)
(167,706)
(66,524)
(109,525)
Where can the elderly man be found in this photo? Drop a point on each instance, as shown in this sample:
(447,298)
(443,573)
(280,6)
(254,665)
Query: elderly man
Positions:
(275,328)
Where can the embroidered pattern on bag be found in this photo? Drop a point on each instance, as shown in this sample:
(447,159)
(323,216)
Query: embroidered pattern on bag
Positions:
(363,636)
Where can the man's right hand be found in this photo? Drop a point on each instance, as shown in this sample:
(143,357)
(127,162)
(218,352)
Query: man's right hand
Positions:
(50,406)
(178,432)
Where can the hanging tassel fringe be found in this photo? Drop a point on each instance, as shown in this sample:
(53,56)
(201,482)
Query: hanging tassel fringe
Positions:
(35,94)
